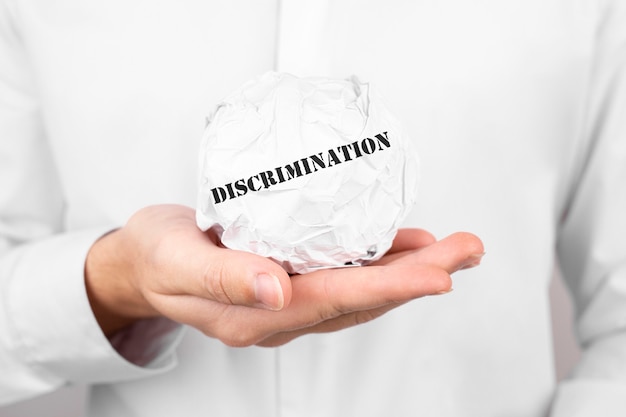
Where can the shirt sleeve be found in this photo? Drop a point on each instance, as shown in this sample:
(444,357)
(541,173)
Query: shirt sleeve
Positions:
(592,242)
(48,334)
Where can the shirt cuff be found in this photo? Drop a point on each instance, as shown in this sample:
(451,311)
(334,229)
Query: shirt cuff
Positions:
(55,329)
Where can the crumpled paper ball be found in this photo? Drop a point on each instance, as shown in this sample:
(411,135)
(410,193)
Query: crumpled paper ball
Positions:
(310,172)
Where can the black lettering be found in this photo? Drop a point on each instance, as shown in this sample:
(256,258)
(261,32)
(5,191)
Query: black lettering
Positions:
(301,167)
(251,183)
(293,172)
(383,140)
(241,188)
(346,154)
(268,178)
(333,159)
(368,149)
(231,193)
(279,172)
(219,194)
(355,146)
(317,161)
(305,164)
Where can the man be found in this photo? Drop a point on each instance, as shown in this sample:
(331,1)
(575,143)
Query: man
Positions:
(516,109)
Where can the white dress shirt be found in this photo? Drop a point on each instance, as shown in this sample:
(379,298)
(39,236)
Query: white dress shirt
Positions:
(517,108)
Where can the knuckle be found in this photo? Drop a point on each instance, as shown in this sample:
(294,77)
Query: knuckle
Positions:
(216,283)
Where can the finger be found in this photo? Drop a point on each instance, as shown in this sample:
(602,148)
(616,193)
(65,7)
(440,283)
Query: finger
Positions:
(242,278)
(224,322)
(226,276)
(332,325)
(246,279)
(411,239)
(457,251)
(363,288)
(324,295)
(454,252)
(317,297)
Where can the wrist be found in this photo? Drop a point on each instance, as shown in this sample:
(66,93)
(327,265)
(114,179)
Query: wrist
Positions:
(115,301)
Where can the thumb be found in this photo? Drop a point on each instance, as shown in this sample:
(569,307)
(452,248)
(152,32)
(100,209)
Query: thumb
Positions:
(242,278)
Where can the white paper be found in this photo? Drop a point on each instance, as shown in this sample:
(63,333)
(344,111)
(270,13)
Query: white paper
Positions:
(310,172)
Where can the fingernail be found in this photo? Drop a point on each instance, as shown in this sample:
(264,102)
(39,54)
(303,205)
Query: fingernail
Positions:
(268,292)
(443,292)
(472,261)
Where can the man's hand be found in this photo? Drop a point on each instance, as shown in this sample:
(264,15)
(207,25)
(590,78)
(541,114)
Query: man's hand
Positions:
(161,264)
